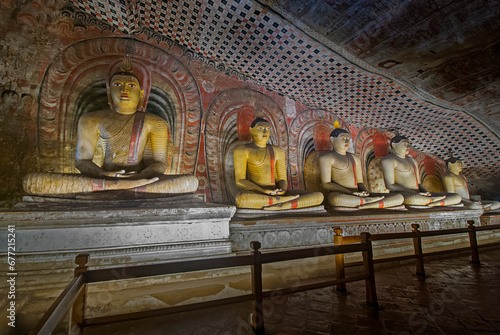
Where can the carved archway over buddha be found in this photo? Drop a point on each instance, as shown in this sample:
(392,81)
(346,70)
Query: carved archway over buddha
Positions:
(371,145)
(309,132)
(226,110)
(431,172)
(75,83)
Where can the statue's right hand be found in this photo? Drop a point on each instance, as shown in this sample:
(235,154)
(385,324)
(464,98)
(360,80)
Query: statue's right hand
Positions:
(126,174)
(277,191)
(361,194)
(113,174)
(425,194)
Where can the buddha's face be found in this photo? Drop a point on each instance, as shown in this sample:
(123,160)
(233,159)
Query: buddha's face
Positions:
(260,133)
(341,142)
(456,167)
(402,148)
(126,93)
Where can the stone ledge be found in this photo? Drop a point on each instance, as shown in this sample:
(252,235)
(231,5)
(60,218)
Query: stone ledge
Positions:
(282,233)
(119,237)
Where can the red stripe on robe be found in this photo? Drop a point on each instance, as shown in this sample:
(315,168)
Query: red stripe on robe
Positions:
(273,161)
(133,154)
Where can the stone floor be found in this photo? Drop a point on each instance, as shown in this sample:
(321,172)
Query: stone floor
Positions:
(455,298)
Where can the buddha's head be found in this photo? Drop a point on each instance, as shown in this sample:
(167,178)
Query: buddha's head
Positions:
(340,139)
(260,130)
(400,145)
(454,165)
(125,91)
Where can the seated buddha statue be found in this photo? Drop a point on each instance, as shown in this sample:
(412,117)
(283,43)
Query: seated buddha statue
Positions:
(124,132)
(341,175)
(401,176)
(453,182)
(260,172)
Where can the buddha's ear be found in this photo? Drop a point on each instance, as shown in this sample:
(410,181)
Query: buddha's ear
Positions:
(141,102)
(252,132)
(110,101)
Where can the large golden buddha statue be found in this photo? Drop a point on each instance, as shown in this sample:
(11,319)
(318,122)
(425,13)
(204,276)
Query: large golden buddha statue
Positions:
(260,171)
(401,176)
(341,175)
(453,182)
(124,132)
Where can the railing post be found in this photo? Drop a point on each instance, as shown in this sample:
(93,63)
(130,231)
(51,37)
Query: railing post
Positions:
(77,313)
(371,291)
(417,248)
(338,239)
(473,243)
(257,308)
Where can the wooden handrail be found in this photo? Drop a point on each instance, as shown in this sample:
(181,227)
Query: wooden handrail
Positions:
(126,272)
(278,256)
(391,236)
(489,227)
(57,311)
(418,254)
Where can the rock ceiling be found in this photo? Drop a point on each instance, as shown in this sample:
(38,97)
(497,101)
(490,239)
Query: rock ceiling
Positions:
(428,67)
(447,48)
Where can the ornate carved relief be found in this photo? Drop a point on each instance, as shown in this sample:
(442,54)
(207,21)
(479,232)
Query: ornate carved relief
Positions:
(371,145)
(221,134)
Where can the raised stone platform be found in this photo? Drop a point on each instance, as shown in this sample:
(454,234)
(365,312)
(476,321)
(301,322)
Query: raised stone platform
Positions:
(489,218)
(275,232)
(117,232)
(242,213)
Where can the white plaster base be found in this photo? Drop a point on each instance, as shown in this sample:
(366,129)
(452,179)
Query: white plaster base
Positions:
(118,237)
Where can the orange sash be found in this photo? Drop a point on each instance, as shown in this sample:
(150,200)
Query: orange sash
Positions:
(273,161)
(415,172)
(134,139)
(353,169)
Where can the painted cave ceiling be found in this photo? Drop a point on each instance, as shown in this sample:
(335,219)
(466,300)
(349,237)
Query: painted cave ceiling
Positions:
(449,49)
(424,66)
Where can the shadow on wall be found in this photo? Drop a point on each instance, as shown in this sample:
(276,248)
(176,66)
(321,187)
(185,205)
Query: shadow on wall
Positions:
(18,143)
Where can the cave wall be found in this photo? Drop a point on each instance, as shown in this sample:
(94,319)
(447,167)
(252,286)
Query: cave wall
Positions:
(43,41)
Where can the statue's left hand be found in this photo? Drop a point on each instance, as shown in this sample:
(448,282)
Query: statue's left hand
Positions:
(361,194)
(425,194)
(111,174)
(126,174)
(277,191)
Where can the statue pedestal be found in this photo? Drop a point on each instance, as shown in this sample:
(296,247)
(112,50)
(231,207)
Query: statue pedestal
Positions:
(489,218)
(116,233)
(304,231)
(243,213)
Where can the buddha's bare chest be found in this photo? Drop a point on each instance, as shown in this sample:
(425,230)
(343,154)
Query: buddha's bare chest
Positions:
(110,128)
(460,182)
(341,162)
(404,166)
(259,157)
